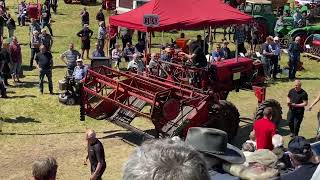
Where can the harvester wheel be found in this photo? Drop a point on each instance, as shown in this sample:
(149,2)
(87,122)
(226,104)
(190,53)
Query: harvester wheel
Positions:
(276,109)
(68,1)
(224,116)
(302,35)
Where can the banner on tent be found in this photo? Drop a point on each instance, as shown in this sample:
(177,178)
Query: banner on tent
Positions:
(151,20)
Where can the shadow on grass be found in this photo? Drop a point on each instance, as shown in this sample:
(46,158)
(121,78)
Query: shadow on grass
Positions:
(28,84)
(21,119)
(23,96)
(132,138)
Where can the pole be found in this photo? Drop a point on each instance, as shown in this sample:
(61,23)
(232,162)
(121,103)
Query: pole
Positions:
(162,33)
(204,40)
(210,42)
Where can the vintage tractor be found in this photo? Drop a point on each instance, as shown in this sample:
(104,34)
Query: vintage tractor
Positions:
(83,2)
(33,10)
(176,101)
(312,46)
(108,5)
(262,11)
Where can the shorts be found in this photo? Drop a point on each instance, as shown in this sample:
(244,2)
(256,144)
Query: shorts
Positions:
(15,69)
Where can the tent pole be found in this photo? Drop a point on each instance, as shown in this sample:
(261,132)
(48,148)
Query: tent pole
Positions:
(162,33)
(204,40)
(150,42)
(210,42)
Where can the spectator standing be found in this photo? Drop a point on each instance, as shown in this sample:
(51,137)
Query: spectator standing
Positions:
(318,115)
(2,22)
(301,156)
(85,34)
(84,17)
(54,5)
(71,56)
(44,62)
(100,16)
(279,24)
(196,55)
(34,46)
(140,46)
(154,160)
(264,129)
(95,155)
(153,64)
(297,99)
(3,90)
(46,39)
(297,17)
(34,26)
(22,13)
(213,145)
(126,36)
(276,49)
(5,56)
(98,52)
(294,57)
(11,25)
(113,33)
(102,32)
(267,55)
(240,37)
(128,51)
(45,169)
(16,59)
(116,56)
(45,19)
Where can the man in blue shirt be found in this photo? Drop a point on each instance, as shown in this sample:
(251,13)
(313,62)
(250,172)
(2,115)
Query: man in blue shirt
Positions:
(217,55)
(294,57)
(79,71)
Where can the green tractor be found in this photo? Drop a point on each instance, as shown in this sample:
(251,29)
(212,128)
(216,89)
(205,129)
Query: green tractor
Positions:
(303,32)
(264,18)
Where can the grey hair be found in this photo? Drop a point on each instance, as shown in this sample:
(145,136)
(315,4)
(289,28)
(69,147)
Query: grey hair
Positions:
(165,159)
(44,168)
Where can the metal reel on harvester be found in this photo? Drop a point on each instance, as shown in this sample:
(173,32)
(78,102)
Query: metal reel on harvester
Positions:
(312,46)
(224,116)
(276,110)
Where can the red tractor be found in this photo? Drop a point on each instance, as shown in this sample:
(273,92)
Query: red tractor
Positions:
(83,2)
(33,10)
(108,4)
(176,102)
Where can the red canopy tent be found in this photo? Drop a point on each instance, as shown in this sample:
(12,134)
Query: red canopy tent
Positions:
(181,14)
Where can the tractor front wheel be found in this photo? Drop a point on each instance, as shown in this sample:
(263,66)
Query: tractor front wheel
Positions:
(276,110)
(68,1)
(224,116)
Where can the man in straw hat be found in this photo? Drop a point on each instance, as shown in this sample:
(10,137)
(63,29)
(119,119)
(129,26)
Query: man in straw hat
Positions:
(213,145)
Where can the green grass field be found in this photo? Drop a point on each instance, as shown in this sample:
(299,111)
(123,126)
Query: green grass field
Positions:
(35,125)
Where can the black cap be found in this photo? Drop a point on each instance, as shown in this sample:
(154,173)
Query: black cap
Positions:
(299,145)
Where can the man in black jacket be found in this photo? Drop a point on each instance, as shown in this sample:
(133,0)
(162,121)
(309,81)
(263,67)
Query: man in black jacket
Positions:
(45,64)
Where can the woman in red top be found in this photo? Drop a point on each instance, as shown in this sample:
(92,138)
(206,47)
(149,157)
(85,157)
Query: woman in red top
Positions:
(16,59)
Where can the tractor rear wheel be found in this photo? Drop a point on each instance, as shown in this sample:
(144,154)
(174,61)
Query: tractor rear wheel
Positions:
(68,1)
(224,116)
(276,109)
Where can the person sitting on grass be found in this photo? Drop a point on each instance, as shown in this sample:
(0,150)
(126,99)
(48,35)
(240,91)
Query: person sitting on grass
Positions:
(98,52)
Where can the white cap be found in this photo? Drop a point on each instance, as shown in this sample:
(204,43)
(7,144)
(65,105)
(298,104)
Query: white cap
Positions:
(79,60)
(276,38)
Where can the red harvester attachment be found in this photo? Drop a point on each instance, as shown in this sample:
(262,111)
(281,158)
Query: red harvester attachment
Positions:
(120,97)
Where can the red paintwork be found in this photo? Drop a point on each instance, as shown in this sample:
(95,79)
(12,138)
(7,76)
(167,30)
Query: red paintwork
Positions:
(34,11)
(316,42)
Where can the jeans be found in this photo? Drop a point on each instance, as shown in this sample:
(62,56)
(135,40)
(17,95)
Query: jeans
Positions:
(266,65)
(34,51)
(22,20)
(101,43)
(48,73)
(70,69)
(11,33)
(44,24)
(295,118)
(15,69)
(2,87)
(292,68)
(274,65)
